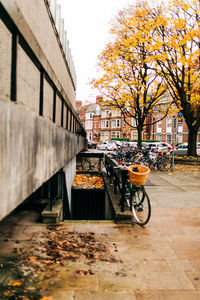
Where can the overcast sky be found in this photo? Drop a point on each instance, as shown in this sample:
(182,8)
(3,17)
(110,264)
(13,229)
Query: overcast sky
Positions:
(87,24)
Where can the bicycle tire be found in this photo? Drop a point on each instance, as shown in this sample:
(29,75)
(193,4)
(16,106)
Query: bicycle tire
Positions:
(165,163)
(141,206)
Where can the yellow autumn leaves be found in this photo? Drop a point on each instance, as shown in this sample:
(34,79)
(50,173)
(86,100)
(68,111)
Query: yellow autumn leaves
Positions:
(153,49)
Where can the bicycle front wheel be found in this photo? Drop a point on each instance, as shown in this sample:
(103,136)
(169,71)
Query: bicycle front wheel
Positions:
(141,207)
(165,163)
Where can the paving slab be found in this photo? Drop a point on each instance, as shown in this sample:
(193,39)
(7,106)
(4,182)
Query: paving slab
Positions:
(155,262)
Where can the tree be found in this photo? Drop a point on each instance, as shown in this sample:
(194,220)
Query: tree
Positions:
(176,52)
(129,79)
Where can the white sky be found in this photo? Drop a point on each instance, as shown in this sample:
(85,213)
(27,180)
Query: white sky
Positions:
(87,25)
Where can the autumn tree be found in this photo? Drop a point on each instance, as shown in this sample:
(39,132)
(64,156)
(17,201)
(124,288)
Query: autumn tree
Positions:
(176,51)
(129,80)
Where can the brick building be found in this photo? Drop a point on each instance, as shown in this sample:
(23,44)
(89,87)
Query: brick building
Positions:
(163,130)
(105,123)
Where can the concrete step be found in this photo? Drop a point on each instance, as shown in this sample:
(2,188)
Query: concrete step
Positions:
(55,215)
(119,216)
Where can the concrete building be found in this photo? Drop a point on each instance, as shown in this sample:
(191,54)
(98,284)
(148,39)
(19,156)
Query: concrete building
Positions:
(40,132)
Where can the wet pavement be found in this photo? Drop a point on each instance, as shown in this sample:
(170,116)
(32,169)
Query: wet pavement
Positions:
(101,260)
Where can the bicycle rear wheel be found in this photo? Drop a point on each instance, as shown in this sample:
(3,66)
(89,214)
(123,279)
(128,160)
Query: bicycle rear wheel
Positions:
(141,207)
(165,163)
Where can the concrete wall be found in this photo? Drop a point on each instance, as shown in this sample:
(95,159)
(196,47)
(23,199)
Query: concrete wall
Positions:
(5,61)
(32,149)
(28,81)
(58,110)
(48,101)
(32,19)
(70,172)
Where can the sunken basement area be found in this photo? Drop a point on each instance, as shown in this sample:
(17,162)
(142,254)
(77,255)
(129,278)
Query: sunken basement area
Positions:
(89,198)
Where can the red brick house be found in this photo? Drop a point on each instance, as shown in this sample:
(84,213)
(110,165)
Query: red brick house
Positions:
(106,123)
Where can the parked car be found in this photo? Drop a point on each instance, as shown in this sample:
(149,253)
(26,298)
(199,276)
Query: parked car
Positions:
(118,143)
(182,149)
(92,144)
(102,146)
(132,145)
(159,146)
(107,145)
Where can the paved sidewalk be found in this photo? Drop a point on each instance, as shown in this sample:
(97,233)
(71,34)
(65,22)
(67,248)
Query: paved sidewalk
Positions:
(109,261)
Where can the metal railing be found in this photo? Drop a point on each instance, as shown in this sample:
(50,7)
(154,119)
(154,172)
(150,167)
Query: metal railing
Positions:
(118,177)
(89,161)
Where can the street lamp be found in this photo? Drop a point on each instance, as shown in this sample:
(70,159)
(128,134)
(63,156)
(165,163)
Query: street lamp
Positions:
(173,140)
(153,127)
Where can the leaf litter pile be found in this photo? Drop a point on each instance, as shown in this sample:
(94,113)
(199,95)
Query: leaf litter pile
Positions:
(88,182)
(188,169)
(46,258)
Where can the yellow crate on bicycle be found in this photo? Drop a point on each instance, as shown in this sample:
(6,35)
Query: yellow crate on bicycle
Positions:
(138,174)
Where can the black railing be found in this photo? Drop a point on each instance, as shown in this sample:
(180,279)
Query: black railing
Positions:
(89,161)
(118,177)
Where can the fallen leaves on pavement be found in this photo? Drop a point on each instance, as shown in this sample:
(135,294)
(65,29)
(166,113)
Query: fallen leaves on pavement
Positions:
(46,257)
(180,168)
(75,245)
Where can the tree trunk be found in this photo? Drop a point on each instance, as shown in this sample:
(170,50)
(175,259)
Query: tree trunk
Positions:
(192,141)
(139,130)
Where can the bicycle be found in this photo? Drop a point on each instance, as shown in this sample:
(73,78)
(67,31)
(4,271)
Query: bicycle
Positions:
(165,163)
(153,159)
(132,190)
(135,195)
(139,204)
